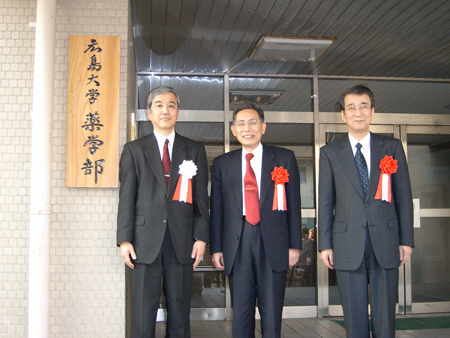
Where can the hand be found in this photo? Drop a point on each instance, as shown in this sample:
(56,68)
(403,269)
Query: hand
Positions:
(198,250)
(294,254)
(405,252)
(327,258)
(127,250)
(217,259)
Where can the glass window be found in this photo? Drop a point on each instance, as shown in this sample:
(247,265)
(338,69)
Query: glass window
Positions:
(429,167)
(399,97)
(196,93)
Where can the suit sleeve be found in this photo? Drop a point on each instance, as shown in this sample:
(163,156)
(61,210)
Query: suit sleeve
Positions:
(401,192)
(216,221)
(127,197)
(200,198)
(327,200)
(294,212)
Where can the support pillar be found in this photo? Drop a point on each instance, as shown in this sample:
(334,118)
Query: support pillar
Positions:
(41,165)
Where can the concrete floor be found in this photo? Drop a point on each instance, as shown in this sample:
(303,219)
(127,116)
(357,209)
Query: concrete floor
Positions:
(302,327)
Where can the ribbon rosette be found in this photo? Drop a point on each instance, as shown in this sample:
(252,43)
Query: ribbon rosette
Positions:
(183,191)
(388,166)
(280,176)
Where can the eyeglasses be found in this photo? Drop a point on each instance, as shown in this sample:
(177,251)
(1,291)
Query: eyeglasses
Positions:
(364,108)
(250,123)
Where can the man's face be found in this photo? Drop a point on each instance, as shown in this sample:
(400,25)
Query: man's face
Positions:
(248,129)
(164,113)
(359,118)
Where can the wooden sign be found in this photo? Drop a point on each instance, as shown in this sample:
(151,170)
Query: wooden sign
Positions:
(92,158)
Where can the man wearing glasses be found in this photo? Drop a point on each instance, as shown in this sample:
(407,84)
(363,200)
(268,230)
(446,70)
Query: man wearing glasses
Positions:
(365,217)
(255,223)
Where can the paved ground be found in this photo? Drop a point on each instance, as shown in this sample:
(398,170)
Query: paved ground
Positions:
(303,327)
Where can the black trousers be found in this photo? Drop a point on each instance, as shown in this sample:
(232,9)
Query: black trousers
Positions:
(253,278)
(146,291)
(354,292)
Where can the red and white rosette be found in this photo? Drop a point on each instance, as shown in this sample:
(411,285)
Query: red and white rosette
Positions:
(280,176)
(183,191)
(388,166)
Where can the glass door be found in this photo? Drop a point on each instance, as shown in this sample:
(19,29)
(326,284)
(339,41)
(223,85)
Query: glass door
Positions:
(428,151)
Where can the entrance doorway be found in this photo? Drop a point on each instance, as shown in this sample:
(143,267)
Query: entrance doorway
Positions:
(299,121)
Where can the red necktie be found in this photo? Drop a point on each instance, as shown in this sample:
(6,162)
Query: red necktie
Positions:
(251,193)
(166,161)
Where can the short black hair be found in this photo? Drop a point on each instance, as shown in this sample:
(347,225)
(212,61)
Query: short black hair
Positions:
(245,106)
(357,90)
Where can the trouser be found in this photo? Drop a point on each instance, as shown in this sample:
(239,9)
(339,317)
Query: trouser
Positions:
(253,278)
(146,291)
(354,293)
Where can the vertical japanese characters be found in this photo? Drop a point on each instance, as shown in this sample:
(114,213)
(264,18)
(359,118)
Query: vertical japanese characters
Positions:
(92,124)
(93,111)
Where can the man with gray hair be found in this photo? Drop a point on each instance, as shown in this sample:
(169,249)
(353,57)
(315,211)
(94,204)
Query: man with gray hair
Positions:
(163,219)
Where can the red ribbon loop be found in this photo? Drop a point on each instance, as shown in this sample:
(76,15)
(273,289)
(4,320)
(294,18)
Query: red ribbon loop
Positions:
(388,166)
(280,176)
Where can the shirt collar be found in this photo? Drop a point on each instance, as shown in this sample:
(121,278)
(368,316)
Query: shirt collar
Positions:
(256,152)
(365,142)
(161,138)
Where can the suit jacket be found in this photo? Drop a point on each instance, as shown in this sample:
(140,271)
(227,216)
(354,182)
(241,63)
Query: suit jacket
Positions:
(281,230)
(146,206)
(344,213)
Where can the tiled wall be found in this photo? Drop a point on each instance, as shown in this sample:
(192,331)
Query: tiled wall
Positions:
(87,274)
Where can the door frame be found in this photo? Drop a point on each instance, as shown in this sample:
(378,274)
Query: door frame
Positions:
(424,307)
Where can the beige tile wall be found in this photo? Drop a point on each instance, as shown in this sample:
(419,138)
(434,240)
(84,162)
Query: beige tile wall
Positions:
(87,275)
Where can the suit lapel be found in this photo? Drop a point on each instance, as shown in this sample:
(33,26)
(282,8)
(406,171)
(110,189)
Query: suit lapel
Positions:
(235,173)
(345,155)
(377,152)
(178,156)
(268,165)
(154,158)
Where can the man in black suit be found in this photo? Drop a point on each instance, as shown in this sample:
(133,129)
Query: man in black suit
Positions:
(365,223)
(163,221)
(255,231)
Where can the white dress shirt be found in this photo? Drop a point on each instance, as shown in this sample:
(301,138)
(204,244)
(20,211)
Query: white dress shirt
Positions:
(256,163)
(365,149)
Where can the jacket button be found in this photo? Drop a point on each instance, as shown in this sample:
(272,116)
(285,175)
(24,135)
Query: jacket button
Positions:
(366,205)
(363,227)
(237,237)
(164,221)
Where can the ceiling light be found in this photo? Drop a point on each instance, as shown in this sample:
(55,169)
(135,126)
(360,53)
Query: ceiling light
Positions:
(273,48)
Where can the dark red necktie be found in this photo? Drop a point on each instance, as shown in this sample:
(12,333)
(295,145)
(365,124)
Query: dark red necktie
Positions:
(251,193)
(166,161)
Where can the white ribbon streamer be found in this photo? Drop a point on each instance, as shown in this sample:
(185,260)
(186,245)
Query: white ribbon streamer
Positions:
(280,197)
(184,188)
(385,188)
